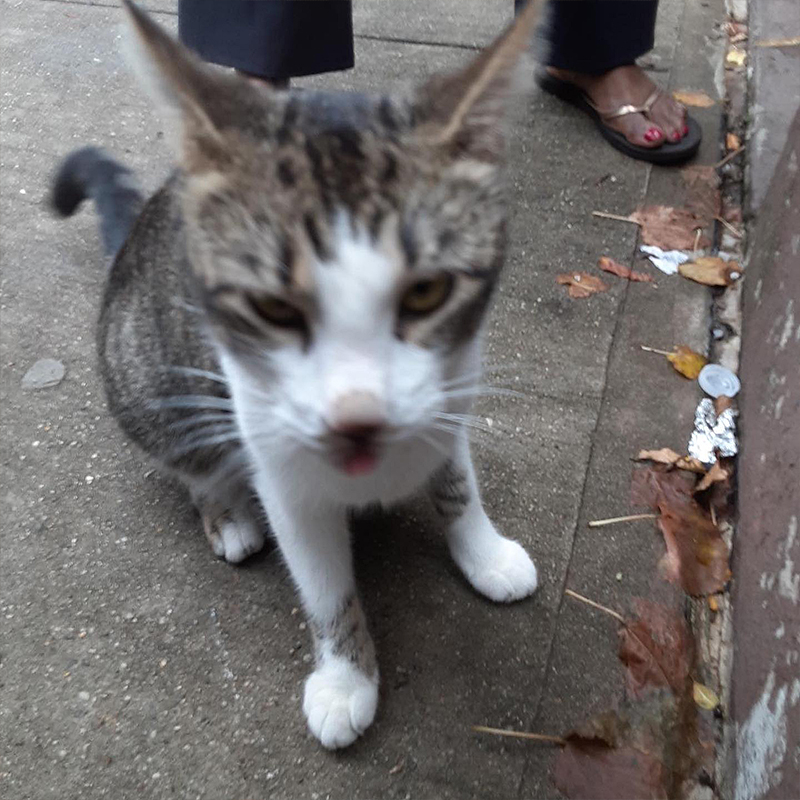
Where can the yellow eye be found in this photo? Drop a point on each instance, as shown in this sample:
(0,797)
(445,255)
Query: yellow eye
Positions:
(277,312)
(424,297)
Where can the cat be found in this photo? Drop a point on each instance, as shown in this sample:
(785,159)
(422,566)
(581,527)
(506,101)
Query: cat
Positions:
(291,325)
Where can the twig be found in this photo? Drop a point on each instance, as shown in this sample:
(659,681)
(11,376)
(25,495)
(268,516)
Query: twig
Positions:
(598,523)
(698,233)
(654,350)
(737,234)
(728,157)
(538,737)
(617,616)
(793,42)
(617,217)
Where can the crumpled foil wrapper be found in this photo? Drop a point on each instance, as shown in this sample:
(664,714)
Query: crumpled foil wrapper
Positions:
(713,433)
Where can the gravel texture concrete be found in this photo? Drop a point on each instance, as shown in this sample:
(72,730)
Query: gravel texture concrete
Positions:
(136,664)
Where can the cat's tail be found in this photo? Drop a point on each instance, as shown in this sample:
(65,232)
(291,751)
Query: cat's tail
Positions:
(93,173)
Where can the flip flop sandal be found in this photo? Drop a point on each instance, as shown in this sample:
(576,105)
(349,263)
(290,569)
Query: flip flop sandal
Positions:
(667,153)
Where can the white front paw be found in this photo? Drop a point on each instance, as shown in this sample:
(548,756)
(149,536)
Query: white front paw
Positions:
(236,540)
(499,568)
(339,703)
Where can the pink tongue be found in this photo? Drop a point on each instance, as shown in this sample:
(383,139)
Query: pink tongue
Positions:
(360,463)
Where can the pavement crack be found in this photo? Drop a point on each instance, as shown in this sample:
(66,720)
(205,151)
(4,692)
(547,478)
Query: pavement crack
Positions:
(109,5)
(401,40)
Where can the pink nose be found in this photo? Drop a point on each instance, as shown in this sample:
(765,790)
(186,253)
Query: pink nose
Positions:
(358,416)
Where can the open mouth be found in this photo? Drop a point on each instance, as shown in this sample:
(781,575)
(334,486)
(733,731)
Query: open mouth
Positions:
(360,460)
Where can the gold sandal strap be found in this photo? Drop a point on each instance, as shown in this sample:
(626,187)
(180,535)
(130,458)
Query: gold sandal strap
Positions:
(623,111)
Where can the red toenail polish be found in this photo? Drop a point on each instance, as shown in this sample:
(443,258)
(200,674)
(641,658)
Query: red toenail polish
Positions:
(653,135)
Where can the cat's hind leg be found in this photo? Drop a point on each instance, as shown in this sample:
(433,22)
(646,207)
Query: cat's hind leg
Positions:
(497,567)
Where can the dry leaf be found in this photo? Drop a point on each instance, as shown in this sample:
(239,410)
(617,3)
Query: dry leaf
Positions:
(736,57)
(705,199)
(656,649)
(692,98)
(591,766)
(686,361)
(733,28)
(732,142)
(697,555)
(711,271)
(668,228)
(672,459)
(615,268)
(581,284)
(722,403)
(704,697)
(716,474)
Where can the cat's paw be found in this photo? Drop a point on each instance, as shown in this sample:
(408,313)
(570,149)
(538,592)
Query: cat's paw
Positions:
(499,569)
(235,540)
(339,703)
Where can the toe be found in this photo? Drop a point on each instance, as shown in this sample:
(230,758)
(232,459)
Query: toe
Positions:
(641,132)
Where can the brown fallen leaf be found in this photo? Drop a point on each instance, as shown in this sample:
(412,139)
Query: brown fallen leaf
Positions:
(686,361)
(672,459)
(711,271)
(691,98)
(697,555)
(704,196)
(733,28)
(704,697)
(615,268)
(669,228)
(588,767)
(716,474)
(581,284)
(722,403)
(732,142)
(656,649)
(650,485)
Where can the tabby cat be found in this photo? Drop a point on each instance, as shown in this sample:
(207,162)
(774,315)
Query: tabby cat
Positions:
(291,324)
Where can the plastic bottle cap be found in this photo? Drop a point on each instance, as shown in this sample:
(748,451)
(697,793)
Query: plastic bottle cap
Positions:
(717,381)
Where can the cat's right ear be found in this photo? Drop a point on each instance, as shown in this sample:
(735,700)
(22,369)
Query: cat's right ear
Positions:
(194,98)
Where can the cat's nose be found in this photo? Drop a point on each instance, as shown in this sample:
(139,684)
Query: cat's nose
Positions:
(357,416)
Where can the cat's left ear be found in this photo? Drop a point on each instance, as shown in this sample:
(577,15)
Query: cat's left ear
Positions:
(468,112)
(199,101)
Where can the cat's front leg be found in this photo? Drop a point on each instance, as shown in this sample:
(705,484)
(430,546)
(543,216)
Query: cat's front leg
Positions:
(341,694)
(497,567)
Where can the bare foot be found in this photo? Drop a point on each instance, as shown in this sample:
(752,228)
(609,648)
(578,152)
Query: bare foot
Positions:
(629,85)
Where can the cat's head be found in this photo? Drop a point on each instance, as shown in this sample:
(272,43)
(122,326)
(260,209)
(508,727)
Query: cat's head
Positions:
(344,246)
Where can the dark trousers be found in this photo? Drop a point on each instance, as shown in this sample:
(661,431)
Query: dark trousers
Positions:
(279,39)
(595,36)
(273,39)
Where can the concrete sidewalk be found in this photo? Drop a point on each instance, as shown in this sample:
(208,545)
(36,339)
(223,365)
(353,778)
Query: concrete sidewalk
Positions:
(134,663)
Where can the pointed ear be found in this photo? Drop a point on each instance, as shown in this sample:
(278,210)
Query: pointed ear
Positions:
(199,100)
(468,112)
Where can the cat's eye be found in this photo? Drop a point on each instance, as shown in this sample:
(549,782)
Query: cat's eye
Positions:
(424,297)
(277,312)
